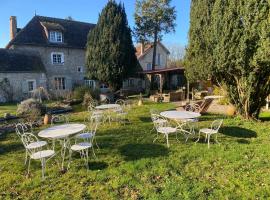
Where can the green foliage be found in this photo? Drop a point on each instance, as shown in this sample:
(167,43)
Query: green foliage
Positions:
(87,99)
(152,19)
(235,47)
(80,91)
(130,166)
(110,55)
(198,57)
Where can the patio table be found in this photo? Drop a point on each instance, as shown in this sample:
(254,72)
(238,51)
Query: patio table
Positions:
(107,106)
(180,115)
(182,118)
(63,134)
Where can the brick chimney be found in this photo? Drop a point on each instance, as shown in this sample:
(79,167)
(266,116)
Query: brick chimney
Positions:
(142,48)
(13,26)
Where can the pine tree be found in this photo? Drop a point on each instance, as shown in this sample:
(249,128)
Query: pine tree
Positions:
(198,58)
(110,55)
(152,19)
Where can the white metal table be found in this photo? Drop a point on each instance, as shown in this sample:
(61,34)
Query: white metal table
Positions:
(182,118)
(62,133)
(107,106)
(180,115)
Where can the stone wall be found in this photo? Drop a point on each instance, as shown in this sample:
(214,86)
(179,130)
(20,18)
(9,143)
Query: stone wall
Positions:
(19,85)
(73,58)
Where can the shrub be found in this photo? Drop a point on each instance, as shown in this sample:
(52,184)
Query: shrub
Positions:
(31,108)
(87,99)
(221,91)
(79,93)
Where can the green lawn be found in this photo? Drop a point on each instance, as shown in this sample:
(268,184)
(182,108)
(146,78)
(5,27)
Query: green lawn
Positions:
(130,166)
(8,108)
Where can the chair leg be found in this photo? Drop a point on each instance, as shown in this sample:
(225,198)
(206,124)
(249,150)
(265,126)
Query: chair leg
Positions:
(167,138)
(208,138)
(26,156)
(93,152)
(155,138)
(87,158)
(43,165)
(28,169)
(70,157)
(198,137)
(96,142)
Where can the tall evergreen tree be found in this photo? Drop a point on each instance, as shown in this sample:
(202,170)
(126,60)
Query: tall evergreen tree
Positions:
(152,19)
(198,57)
(110,55)
(239,35)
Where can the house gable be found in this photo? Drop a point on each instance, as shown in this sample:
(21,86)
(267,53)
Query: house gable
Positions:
(36,33)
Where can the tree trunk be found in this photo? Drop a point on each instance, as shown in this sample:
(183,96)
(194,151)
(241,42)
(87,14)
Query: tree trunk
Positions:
(155,49)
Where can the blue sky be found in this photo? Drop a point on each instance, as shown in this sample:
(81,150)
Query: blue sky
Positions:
(82,10)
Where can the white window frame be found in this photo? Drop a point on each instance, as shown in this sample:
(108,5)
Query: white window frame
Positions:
(90,83)
(80,67)
(62,85)
(131,82)
(56,36)
(62,58)
(34,84)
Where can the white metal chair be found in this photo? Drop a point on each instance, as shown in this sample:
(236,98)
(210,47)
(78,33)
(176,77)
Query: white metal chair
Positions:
(121,114)
(86,143)
(162,126)
(36,153)
(22,128)
(211,131)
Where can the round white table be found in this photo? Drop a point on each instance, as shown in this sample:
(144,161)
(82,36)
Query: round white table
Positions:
(181,118)
(180,115)
(62,133)
(107,106)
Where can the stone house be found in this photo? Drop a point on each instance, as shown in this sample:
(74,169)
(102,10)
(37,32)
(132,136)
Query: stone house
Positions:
(60,45)
(168,76)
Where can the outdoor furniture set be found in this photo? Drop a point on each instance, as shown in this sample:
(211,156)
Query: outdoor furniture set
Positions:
(84,136)
(184,122)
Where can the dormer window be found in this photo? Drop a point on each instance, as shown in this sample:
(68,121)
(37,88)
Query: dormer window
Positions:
(56,36)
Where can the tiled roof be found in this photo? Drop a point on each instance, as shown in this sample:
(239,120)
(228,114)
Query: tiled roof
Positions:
(147,48)
(14,61)
(35,32)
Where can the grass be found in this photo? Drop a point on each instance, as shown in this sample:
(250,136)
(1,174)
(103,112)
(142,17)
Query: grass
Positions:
(130,166)
(8,108)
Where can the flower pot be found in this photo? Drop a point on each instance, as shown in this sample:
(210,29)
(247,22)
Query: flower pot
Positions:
(47,119)
(231,110)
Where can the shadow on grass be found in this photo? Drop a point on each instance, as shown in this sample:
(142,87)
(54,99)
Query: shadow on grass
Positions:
(139,151)
(9,148)
(238,132)
(97,165)
(145,119)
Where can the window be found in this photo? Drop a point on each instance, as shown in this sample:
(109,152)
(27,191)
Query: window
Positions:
(80,69)
(149,66)
(130,82)
(57,58)
(90,83)
(56,36)
(158,59)
(31,85)
(60,83)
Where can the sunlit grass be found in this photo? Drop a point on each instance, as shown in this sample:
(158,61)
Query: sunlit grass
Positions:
(130,166)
